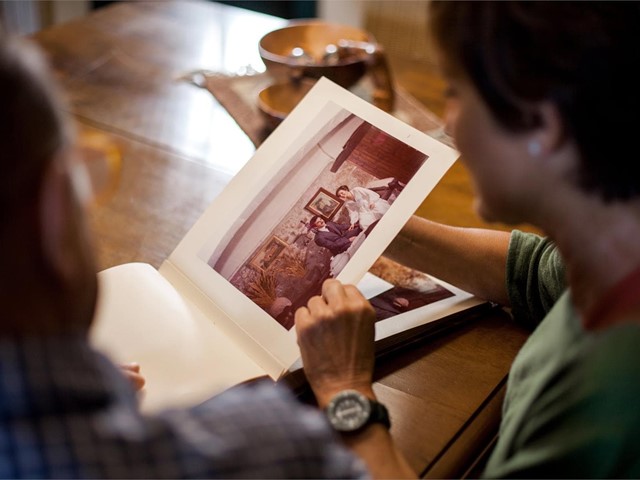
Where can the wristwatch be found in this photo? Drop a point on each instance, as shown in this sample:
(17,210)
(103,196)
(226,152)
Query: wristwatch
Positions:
(350,411)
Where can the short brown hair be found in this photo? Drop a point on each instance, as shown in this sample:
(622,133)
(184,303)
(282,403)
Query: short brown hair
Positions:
(582,56)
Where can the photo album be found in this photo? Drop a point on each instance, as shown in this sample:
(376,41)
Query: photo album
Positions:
(321,198)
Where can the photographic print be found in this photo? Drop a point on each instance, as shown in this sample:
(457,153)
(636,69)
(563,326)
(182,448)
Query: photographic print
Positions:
(317,211)
(411,289)
(266,255)
(324,204)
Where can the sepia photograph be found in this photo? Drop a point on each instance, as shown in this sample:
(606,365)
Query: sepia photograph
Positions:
(411,289)
(324,204)
(315,214)
(268,253)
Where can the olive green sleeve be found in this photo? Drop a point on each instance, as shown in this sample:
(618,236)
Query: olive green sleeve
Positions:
(535,276)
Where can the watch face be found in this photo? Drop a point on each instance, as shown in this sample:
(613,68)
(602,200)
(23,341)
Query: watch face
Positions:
(348,411)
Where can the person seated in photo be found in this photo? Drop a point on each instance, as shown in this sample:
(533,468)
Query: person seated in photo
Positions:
(400,299)
(67,411)
(365,206)
(336,237)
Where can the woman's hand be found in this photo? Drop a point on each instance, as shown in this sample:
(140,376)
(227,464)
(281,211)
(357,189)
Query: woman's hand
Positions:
(132,372)
(336,338)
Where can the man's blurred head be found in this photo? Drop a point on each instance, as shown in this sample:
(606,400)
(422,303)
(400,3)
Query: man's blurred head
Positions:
(47,278)
(32,129)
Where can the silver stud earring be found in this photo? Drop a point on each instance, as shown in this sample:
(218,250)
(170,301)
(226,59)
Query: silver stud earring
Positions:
(534,148)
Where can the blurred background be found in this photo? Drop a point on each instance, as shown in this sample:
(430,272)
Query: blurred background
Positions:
(393,27)
(398,25)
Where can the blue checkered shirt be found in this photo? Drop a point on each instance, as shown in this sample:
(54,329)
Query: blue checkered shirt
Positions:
(68,412)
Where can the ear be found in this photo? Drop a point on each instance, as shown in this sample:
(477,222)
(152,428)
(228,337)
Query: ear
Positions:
(549,136)
(66,250)
(55,215)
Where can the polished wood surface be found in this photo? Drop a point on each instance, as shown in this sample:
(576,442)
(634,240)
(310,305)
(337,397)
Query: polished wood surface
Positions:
(120,66)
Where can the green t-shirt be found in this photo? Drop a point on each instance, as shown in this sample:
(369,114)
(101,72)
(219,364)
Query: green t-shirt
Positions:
(572,407)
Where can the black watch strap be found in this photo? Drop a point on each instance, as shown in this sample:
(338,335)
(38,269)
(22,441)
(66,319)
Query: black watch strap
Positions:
(379,414)
(350,411)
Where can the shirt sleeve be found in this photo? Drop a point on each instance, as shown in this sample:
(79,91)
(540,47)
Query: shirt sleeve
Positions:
(352,208)
(370,195)
(535,276)
(262,431)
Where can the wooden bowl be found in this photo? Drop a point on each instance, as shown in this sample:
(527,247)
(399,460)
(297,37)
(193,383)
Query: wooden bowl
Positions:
(312,37)
(277,100)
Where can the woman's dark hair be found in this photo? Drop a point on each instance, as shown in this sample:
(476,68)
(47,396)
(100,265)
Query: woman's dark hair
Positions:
(341,188)
(582,56)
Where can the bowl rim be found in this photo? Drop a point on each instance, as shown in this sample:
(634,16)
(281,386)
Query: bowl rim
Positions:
(285,60)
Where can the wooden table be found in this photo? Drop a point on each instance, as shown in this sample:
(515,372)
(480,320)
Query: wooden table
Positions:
(118,67)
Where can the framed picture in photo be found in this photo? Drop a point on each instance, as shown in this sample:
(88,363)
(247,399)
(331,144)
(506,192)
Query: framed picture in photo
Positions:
(267,254)
(324,204)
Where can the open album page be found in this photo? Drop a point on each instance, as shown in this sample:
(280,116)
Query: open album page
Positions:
(184,358)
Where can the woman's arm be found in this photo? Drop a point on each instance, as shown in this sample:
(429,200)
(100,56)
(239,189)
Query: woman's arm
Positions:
(369,196)
(473,259)
(352,209)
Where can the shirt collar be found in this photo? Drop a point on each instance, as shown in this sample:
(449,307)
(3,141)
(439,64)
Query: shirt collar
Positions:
(619,301)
